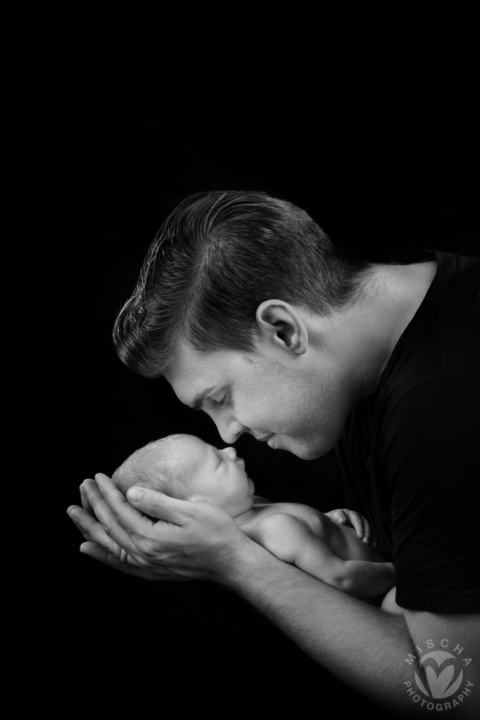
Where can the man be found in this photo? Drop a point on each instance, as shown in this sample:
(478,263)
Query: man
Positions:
(252,315)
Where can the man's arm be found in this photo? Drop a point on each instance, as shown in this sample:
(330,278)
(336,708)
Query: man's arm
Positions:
(372,651)
(290,540)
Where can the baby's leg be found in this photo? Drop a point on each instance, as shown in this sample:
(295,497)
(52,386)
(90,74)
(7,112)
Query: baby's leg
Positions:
(345,542)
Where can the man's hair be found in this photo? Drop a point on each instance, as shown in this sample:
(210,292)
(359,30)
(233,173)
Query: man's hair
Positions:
(158,466)
(215,259)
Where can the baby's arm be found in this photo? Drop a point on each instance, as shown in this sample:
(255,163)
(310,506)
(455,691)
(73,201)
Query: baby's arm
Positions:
(292,541)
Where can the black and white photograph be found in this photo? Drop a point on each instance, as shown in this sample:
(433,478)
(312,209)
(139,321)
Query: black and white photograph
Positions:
(247,285)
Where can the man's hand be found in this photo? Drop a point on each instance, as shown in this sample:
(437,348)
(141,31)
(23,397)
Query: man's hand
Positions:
(353,519)
(190,540)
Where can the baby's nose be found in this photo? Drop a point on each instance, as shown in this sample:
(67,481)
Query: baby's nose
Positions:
(232,453)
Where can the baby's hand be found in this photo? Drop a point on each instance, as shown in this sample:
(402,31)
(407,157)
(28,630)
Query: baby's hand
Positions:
(353,519)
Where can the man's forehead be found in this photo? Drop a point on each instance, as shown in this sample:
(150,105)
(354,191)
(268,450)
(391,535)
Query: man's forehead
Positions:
(186,360)
(189,375)
(193,371)
(193,374)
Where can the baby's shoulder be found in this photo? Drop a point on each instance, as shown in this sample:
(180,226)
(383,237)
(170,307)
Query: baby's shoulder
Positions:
(309,516)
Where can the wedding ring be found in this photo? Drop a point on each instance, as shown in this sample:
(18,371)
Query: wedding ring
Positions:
(123,556)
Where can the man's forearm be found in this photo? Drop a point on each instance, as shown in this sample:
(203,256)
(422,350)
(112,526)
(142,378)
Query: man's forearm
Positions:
(336,630)
(372,651)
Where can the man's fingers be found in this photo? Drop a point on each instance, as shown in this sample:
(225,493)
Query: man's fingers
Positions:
(127,526)
(163,507)
(84,500)
(120,510)
(107,516)
(97,552)
(92,530)
(129,568)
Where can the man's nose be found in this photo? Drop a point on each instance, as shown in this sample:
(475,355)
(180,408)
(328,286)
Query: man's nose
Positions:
(230,431)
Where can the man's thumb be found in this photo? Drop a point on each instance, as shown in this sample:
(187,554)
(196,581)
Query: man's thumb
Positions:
(135,494)
(158,505)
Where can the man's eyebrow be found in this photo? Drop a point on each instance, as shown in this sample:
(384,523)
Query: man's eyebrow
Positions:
(199,398)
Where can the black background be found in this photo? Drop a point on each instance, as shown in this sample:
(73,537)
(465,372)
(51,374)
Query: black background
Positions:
(365,117)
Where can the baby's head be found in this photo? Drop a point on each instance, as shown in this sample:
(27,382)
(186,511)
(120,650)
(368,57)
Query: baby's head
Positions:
(185,467)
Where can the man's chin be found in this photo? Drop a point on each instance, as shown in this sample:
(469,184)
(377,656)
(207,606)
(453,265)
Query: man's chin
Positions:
(312,454)
(303,452)
(316,450)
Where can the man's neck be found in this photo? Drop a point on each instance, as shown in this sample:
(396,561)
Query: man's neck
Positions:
(376,323)
(406,287)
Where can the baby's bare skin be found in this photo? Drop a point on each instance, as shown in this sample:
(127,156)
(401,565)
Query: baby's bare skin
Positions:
(326,548)
(313,542)
(342,540)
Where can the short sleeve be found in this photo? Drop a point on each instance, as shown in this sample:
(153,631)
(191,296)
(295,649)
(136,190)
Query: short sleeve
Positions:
(432,463)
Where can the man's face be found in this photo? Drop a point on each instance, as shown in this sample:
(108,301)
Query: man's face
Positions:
(218,476)
(299,404)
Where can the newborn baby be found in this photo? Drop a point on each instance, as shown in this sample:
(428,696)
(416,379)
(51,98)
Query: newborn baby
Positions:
(185,467)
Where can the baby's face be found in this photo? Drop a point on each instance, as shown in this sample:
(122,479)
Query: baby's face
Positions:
(218,476)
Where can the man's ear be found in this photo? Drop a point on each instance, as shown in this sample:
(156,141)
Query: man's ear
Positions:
(280,324)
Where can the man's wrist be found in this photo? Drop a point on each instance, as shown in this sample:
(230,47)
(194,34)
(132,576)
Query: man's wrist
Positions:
(240,560)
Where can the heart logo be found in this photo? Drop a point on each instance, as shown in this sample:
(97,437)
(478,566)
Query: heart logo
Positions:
(439,685)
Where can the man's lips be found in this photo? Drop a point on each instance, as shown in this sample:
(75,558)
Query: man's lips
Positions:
(264,438)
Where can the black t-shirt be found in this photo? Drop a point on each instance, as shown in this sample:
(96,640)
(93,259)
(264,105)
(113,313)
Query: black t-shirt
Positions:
(410,452)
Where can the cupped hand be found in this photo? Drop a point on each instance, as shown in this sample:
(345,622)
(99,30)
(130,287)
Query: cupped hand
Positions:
(365,531)
(189,540)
